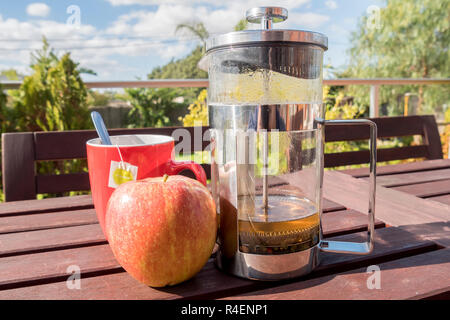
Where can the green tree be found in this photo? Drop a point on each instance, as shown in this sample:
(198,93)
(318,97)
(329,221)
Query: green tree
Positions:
(198,112)
(158,107)
(161,105)
(53,97)
(241,25)
(184,68)
(194,28)
(3,110)
(151,107)
(198,109)
(5,123)
(96,98)
(10,74)
(410,41)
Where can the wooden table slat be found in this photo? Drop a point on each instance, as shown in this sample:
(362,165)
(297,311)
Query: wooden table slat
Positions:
(400,279)
(39,239)
(53,264)
(438,232)
(50,220)
(390,243)
(442,199)
(400,168)
(344,222)
(333,223)
(402,179)
(392,207)
(427,189)
(45,205)
(52,239)
(329,206)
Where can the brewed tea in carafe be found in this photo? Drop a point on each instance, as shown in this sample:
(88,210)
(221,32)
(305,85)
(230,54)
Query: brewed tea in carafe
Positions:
(265,113)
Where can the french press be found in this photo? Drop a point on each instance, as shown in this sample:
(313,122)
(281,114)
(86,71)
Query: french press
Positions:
(267,149)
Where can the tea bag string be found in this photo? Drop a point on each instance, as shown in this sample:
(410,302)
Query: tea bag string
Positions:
(122,163)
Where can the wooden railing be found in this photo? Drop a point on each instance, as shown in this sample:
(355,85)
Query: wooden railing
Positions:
(203,83)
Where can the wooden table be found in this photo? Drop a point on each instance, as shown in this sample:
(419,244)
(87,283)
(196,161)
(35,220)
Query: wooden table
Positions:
(42,242)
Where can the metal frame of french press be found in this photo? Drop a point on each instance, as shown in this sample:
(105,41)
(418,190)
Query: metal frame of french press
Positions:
(289,265)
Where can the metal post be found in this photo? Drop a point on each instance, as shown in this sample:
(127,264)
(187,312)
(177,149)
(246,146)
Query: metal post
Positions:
(405,111)
(374,100)
(448,149)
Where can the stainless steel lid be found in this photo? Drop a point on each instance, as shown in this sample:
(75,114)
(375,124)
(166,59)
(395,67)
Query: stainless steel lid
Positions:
(266,16)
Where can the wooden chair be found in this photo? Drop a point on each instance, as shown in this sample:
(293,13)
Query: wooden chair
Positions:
(21,151)
(388,127)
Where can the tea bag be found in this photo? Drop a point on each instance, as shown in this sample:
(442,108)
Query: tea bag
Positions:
(121,172)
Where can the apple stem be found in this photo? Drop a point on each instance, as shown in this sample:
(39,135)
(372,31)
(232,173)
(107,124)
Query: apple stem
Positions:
(165,177)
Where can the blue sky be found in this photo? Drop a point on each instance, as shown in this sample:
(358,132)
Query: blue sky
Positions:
(125,39)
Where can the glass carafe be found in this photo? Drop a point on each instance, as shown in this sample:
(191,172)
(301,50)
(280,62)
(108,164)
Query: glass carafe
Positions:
(267,133)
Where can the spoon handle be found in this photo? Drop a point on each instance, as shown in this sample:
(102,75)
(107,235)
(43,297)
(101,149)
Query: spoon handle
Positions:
(100,127)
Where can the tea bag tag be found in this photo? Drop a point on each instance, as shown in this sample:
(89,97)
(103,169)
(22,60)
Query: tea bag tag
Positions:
(121,172)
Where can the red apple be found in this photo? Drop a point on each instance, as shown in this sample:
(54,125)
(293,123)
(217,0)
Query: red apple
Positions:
(161,230)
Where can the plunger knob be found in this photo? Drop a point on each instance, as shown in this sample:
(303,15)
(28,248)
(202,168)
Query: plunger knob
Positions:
(266,16)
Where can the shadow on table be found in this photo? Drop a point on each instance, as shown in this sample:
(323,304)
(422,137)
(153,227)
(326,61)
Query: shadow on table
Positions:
(391,244)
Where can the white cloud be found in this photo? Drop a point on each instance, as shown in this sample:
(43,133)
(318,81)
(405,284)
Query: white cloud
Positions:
(331,4)
(24,37)
(145,35)
(338,30)
(165,18)
(38,9)
(147,2)
(162,23)
(21,69)
(172,51)
(92,48)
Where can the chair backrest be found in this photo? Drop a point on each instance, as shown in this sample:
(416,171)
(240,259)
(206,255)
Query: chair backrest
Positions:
(388,127)
(21,151)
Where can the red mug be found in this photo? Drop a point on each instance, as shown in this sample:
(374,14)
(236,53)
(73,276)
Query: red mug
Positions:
(131,157)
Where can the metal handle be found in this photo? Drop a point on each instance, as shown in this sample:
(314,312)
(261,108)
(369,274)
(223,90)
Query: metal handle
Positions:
(355,247)
(266,16)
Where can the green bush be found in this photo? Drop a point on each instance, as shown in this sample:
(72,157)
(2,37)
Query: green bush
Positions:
(165,111)
(52,98)
(99,99)
(336,108)
(150,107)
(3,119)
(198,111)
(445,138)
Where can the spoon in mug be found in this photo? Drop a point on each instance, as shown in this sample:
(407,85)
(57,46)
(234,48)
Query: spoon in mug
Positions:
(100,127)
